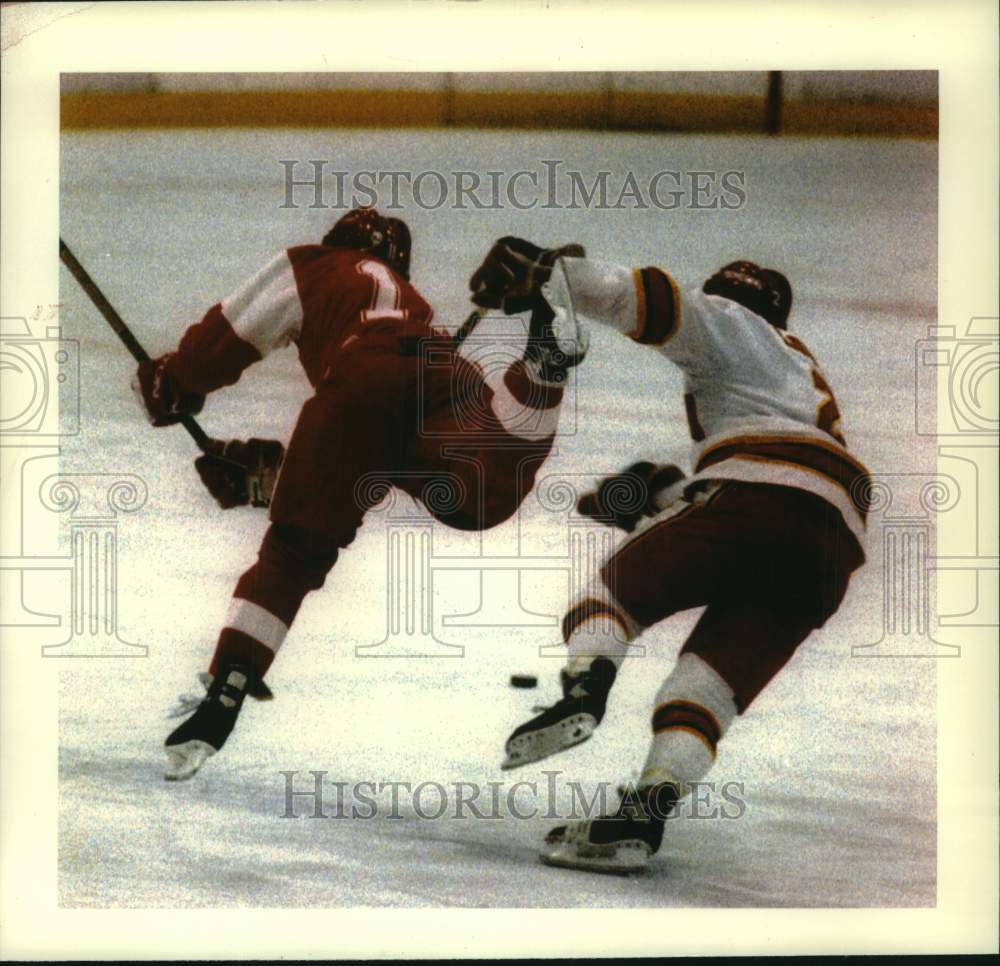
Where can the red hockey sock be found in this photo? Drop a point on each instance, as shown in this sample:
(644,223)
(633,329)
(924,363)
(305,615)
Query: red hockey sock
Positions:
(291,563)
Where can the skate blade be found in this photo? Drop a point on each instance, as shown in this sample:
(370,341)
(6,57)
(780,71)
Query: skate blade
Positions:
(539,745)
(625,858)
(184,760)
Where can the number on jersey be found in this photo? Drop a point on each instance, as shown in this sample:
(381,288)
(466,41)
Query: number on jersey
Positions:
(827,412)
(386,295)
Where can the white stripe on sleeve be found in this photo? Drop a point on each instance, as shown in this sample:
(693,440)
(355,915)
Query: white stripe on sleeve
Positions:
(266,310)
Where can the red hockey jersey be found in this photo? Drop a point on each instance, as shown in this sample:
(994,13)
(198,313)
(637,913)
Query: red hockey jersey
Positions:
(320,298)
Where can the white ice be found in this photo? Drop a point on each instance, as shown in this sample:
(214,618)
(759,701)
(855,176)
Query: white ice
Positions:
(837,757)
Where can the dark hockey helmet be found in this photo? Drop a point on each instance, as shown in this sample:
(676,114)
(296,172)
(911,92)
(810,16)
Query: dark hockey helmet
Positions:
(366,230)
(398,246)
(763,291)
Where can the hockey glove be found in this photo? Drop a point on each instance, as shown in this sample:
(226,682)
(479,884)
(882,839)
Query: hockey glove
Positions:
(237,473)
(624,499)
(513,272)
(162,400)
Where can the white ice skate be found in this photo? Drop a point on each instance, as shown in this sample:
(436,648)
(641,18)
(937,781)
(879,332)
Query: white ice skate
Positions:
(571,847)
(204,733)
(569,722)
(618,844)
(552,731)
(185,759)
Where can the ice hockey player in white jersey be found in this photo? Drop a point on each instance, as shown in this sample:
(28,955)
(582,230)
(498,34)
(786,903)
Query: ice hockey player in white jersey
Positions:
(764,534)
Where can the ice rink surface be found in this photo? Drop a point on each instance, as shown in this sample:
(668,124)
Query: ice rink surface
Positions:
(836,758)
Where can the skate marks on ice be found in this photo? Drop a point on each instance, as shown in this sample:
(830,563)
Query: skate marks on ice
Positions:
(813,834)
(222,843)
(838,759)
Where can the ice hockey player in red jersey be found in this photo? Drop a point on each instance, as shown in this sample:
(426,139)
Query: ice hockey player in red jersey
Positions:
(380,411)
(764,534)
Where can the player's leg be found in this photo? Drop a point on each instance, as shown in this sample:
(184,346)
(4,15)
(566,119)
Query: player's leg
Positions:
(742,640)
(343,431)
(738,646)
(598,633)
(670,563)
(693,710)
(734,651)
(730,540)
(485,445)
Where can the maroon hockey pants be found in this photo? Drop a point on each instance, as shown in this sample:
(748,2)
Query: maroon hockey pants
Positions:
(395,414)
(769,564)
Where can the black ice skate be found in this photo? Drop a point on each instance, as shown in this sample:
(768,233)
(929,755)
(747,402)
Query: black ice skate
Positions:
(556,340)
(618,844)
(191,744)
(569,721)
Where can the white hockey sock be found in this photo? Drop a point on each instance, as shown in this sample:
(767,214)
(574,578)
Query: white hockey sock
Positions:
(525,405)
(596,628)
(694,709)
(603,291)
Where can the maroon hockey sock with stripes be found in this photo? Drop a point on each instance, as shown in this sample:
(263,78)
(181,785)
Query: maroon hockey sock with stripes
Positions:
(291,563)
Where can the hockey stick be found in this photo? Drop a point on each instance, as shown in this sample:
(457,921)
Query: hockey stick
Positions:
(123,332)
(465,329)
(261,691)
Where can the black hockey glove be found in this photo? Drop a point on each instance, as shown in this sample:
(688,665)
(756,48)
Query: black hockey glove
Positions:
(237,473)
(513,271)
(161,399)
(624,499)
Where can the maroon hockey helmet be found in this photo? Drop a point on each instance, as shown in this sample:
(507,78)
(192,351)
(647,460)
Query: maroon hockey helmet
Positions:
(366,230)
(399,245)
(763,291)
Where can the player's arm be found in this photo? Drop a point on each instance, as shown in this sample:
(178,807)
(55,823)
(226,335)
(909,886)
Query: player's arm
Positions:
(642,303)
(513,271)
(648,306)
(645,304)
(263,314)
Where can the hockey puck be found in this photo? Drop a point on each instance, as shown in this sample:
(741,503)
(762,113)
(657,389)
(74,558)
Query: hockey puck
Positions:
(523,681)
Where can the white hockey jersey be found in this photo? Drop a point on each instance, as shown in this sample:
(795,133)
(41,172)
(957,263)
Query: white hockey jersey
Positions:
(759,408)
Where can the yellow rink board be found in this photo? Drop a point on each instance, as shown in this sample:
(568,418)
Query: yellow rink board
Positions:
(598,110)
